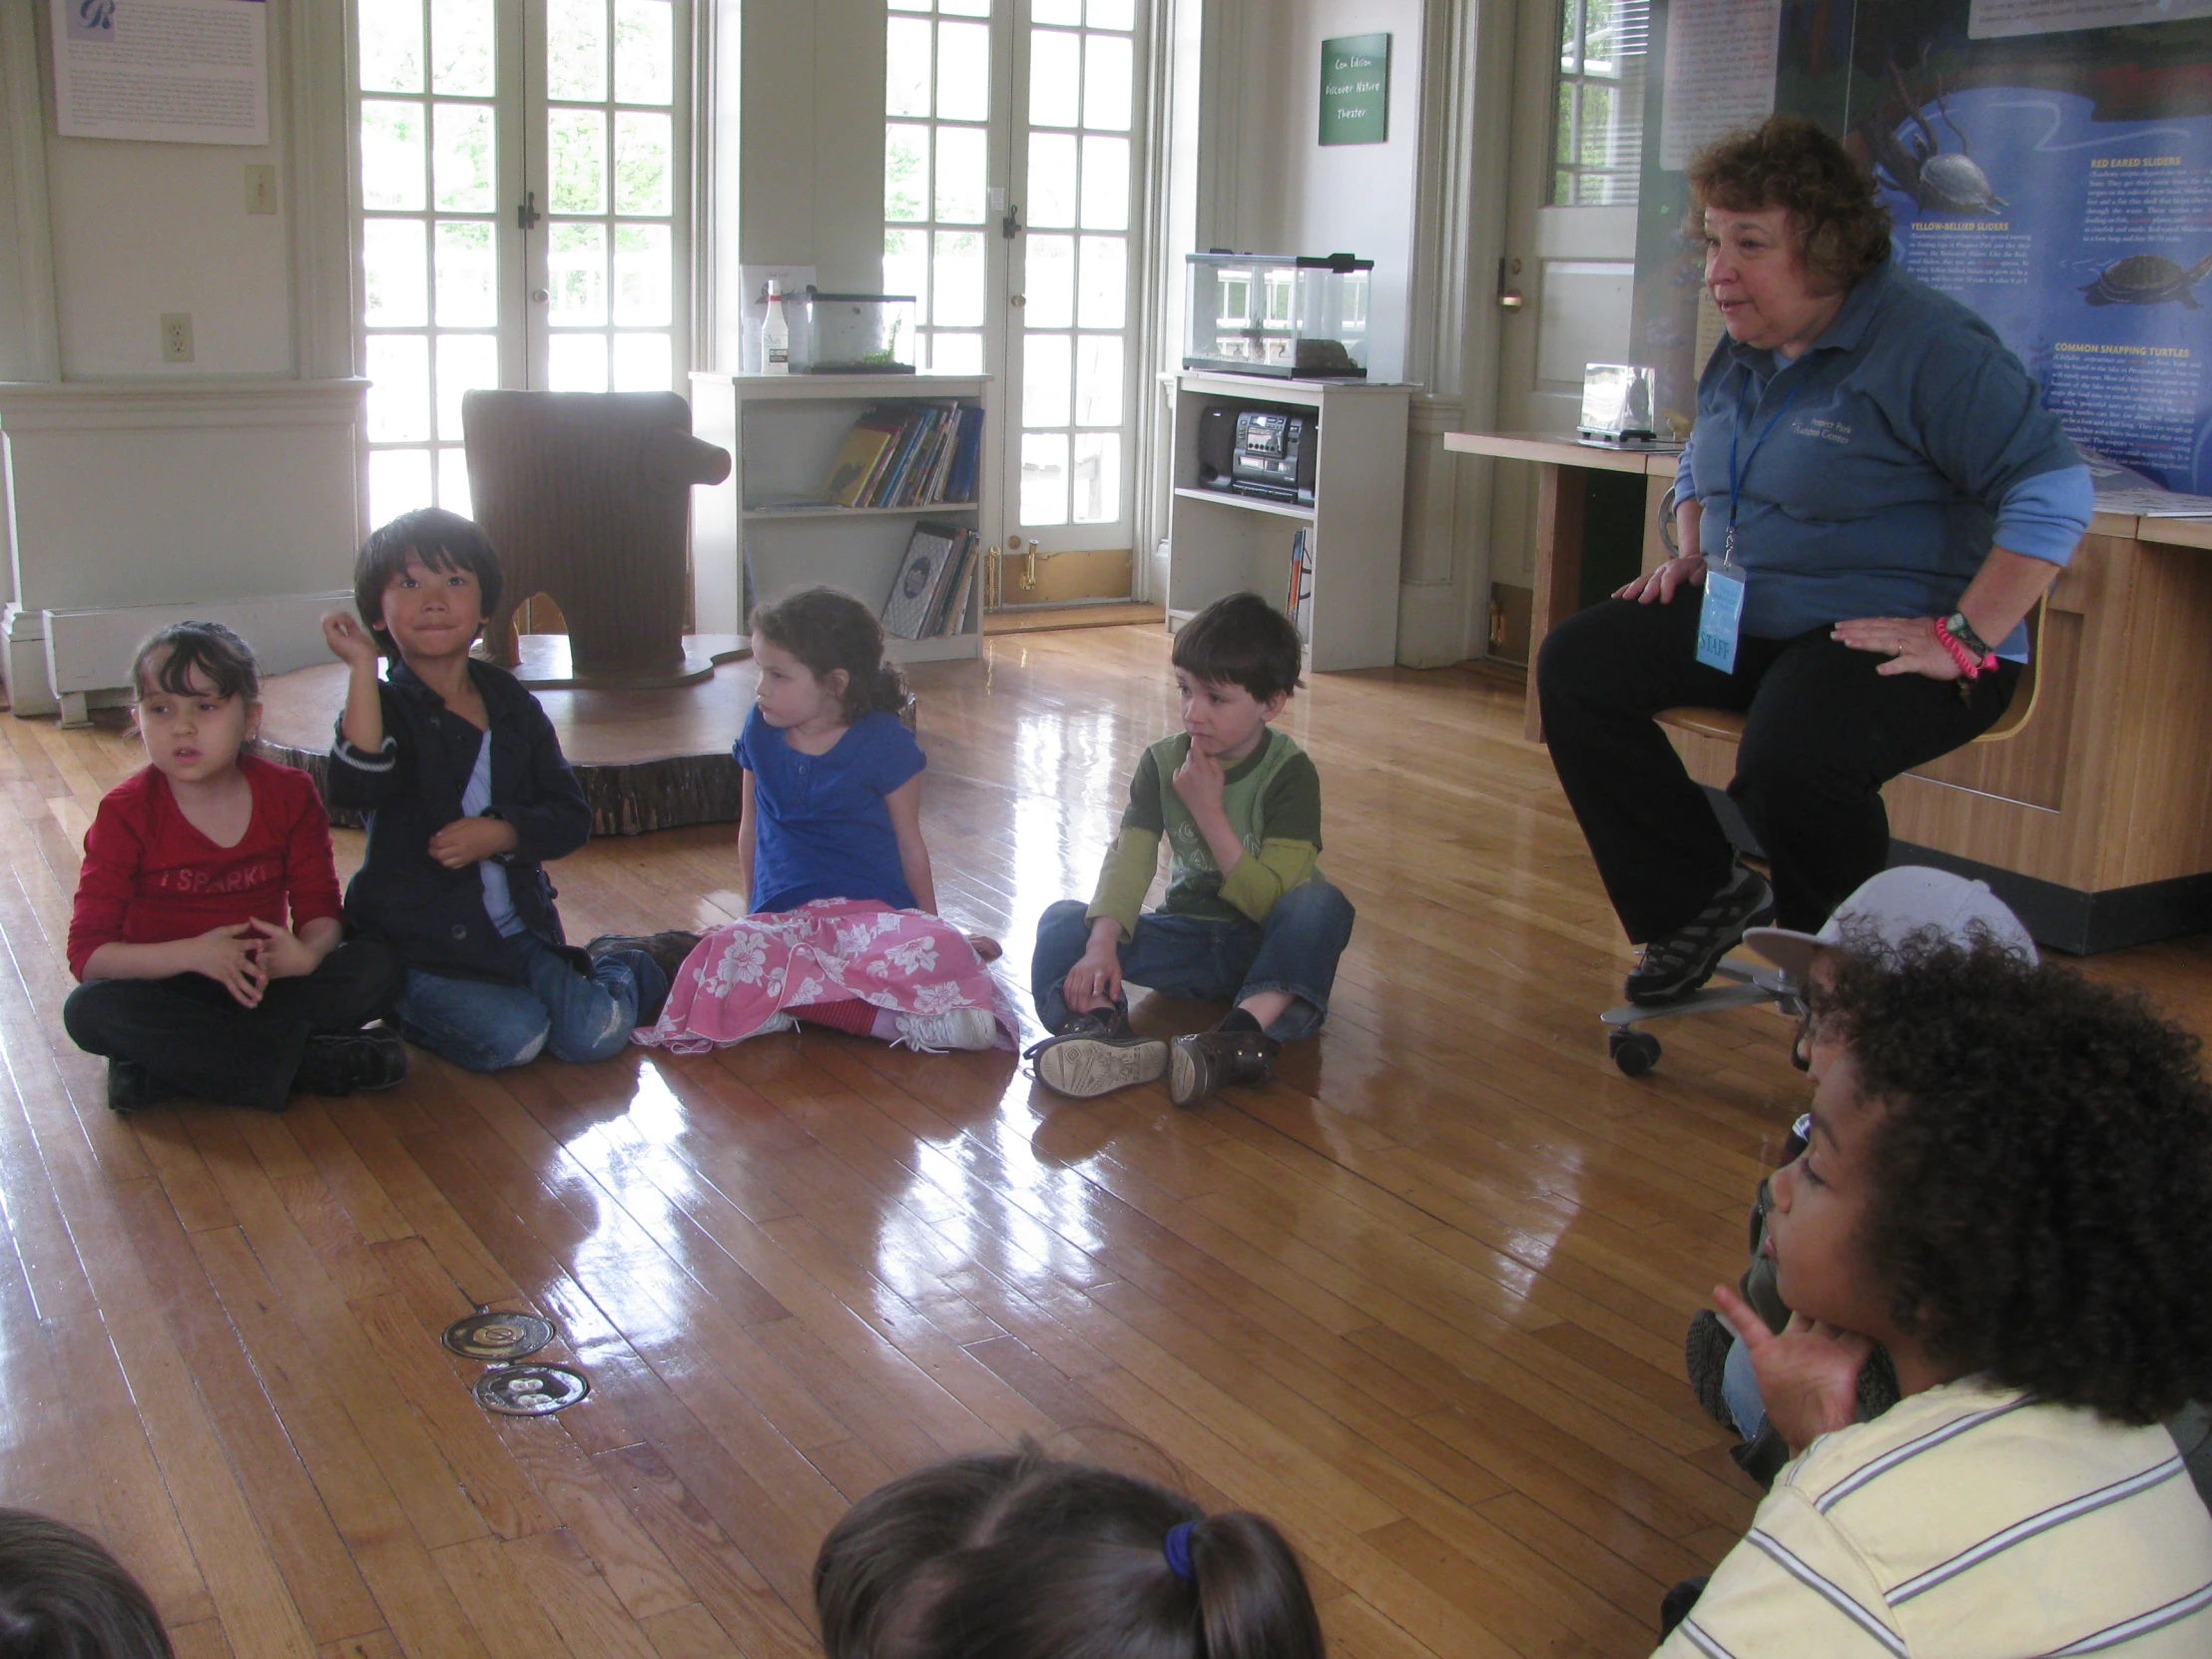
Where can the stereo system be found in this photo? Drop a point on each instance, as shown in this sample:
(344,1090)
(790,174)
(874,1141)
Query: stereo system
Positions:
(1263,450)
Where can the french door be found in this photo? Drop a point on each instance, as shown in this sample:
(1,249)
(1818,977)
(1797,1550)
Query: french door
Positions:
(1011,163)
(523,176)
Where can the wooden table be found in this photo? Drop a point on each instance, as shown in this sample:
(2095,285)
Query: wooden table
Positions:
(2096,822)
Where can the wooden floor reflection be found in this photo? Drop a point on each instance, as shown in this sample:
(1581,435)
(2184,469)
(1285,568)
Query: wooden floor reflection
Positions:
(1421,1301)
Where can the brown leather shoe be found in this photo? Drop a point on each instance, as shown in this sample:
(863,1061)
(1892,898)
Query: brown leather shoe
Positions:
(668,949)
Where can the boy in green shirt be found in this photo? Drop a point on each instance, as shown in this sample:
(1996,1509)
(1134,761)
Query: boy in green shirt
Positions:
(1248,915)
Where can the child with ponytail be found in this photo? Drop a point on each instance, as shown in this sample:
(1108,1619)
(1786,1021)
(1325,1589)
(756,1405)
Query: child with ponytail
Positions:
(1022,1556)
(843,931)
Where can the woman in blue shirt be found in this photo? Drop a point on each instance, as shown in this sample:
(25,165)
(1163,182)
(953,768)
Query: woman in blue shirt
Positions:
(1876,489)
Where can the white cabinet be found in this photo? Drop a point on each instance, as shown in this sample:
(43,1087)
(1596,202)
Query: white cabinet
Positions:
(1220,543)
(784,430)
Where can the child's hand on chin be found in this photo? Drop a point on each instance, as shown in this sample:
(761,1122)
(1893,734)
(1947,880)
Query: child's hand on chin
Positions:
(231,956)
(348,641)
(468,841)
(1198,779)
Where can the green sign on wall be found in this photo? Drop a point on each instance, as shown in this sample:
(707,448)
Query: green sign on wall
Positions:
(1356,89)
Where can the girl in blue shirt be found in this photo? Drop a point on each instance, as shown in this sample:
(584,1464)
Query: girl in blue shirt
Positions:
(843,931)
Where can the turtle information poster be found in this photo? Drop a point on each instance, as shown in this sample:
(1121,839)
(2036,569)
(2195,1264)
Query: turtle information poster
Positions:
(2057,182)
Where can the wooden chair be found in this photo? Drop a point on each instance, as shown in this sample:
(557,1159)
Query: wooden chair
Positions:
(1750,984)
(587,497)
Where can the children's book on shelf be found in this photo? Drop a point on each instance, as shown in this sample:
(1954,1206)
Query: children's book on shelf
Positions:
(1299,602)
(929,594)
(907,455)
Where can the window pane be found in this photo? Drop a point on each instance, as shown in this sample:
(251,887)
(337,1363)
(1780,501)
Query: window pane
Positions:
(1112,14)
(1562,143)
(642,268)
(1098,379)
(957,355)
(579,151)
(462,40)
(640,362)
(1055,71)
(399,482)
(963,71)
(905,171)
(1044,478)
(906,267)
(1596,123)
(957,291)
(453,493)
(909,5)
(961,174)
(1050,283)
(462,160)
(1569,31)
(1105,183)
(1097,478)
(1056,11)
(645,52)
(642,146)
(963,8)
(1044,380)
(466,362)
(467,277)
(576,273)
(392,283)
(576,49)
(1051,179)
(391,156)
(399,390)
(906,66)
(1106,82)
(1105,281)
(391,48)
(578,363)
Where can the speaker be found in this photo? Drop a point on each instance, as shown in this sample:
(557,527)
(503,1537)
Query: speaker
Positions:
(1217,447)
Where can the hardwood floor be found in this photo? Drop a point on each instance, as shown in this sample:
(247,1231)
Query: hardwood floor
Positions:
(1421,1301)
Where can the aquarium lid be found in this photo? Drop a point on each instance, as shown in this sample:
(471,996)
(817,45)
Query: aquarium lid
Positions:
(1342,264)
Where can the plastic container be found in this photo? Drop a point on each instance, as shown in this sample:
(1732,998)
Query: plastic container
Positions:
(1285,315)
(851,334)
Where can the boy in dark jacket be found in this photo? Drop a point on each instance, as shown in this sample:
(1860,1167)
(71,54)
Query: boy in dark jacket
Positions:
(466,794)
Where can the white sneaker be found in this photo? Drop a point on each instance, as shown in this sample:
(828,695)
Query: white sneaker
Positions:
(778,1021)
(934,1033)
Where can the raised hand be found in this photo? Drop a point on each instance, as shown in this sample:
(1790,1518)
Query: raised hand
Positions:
(348,641)
(1808,1375)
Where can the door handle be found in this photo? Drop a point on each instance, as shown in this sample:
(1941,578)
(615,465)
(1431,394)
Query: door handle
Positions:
(1017,301)
(1010,226)
(1512,299)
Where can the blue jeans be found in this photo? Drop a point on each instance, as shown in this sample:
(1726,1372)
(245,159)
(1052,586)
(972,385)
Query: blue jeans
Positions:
(1739,1388)
(1294,951)
(481,1025)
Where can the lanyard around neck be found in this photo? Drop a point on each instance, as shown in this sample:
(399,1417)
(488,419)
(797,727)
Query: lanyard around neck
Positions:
(1736,472)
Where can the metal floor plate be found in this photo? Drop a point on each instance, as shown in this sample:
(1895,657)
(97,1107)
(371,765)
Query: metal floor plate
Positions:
(498,1338)
(530,1390)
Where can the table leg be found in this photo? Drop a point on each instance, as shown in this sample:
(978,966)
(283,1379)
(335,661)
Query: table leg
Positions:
(1560,496)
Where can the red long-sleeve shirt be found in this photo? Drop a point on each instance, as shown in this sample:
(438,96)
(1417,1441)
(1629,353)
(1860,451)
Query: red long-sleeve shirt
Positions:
(148,876)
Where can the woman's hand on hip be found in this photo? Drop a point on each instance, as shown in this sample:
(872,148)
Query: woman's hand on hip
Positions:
(1659,585)
(1908,642)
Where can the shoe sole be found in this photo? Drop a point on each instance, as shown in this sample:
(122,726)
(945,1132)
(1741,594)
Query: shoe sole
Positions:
(1083,1068)
(1186,1089)
(1694,981)
(1705,1358)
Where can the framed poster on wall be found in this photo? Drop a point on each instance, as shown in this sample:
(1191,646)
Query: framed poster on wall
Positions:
(1356,90)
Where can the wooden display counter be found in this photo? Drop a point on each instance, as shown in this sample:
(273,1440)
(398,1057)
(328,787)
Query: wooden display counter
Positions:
(2095,822)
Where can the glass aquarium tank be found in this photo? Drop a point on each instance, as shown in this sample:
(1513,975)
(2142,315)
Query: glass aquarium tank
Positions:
(851,334)
(1288,315)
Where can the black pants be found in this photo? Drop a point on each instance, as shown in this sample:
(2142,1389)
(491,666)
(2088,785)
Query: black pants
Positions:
(193,1035)
(1823,732)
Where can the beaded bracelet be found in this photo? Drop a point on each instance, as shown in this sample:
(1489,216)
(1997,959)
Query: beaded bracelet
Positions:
(1971,667)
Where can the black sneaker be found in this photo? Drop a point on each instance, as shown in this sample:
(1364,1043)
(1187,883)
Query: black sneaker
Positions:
(1682,961)
(1705,1356)
(1208,1060)
(349,1061)
(132,1088)
(668,949)
(1096,1053)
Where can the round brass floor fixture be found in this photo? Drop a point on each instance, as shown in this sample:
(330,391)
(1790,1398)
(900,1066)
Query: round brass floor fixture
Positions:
(530,1390)
(498,1338)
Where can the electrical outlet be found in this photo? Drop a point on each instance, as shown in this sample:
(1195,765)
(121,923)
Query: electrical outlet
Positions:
(175,336)
(260,187)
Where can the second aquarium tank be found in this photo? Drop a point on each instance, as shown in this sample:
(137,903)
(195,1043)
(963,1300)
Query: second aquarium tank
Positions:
(1286,315)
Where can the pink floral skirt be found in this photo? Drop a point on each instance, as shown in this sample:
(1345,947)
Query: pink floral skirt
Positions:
(739,977)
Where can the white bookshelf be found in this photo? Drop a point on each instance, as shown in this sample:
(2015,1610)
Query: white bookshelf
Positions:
(783,431)
(1221,543)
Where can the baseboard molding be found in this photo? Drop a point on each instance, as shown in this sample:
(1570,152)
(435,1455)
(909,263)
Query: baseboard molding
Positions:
(2060,918)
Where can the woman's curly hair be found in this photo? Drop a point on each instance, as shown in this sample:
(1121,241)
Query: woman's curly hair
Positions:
(2041,1206)
(1841,227)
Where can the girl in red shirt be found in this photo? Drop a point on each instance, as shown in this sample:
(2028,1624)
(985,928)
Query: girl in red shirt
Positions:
(196,979)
